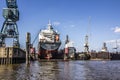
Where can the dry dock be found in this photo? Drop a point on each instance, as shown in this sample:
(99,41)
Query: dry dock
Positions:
(10,55)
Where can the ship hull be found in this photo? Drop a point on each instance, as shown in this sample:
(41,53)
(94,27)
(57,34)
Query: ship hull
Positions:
(48,50)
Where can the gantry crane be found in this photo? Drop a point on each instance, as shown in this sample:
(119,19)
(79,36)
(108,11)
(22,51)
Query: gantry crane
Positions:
(9,28)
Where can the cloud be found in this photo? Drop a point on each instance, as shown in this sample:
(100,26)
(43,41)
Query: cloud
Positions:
(117,29)
(56,23)
(72,26)
(110,41)
(113,41)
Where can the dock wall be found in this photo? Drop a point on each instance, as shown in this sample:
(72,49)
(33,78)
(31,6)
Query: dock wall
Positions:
(10,55)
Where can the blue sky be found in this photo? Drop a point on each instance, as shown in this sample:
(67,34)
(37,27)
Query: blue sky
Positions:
(70,17)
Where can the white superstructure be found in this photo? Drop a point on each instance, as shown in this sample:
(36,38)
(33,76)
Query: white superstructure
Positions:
(48,35)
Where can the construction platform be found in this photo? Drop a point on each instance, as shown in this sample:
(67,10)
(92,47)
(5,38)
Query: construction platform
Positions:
(10,55)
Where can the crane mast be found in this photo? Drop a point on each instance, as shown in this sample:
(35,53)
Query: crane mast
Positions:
(9,27)
(86,45)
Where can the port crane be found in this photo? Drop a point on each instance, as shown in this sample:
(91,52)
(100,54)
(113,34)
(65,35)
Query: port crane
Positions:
(86,45)
(9,27)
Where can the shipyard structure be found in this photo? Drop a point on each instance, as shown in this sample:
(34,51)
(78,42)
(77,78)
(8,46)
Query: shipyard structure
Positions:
(9,29)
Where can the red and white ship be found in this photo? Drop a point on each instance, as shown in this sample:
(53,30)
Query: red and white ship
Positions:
(49,43)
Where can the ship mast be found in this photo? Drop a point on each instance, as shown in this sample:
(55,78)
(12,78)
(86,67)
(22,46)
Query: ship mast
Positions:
(49,25)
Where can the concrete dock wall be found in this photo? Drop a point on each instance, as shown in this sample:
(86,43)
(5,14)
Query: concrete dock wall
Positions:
(10,55)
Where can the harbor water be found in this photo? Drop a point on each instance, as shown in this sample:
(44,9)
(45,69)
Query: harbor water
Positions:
(62,70)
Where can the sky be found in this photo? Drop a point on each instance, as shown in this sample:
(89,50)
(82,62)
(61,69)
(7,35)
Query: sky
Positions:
(99,19)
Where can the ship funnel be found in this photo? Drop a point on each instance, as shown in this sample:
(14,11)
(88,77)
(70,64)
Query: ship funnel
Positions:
(67,39)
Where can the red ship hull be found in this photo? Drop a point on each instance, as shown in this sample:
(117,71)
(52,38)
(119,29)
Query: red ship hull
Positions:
(47,53)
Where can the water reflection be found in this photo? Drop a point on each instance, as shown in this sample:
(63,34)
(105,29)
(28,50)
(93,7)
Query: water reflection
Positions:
(62,70)
(102,70)
(8,72)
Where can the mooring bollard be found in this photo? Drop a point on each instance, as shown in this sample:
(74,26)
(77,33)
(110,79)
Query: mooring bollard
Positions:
(28,40)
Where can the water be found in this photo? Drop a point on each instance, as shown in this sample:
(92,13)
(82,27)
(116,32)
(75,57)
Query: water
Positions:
(62,70)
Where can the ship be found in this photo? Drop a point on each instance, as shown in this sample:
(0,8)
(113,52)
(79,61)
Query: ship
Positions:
(70,50)
(49,43)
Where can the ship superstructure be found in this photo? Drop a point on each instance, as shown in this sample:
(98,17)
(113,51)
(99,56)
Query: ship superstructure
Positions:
(49,43)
